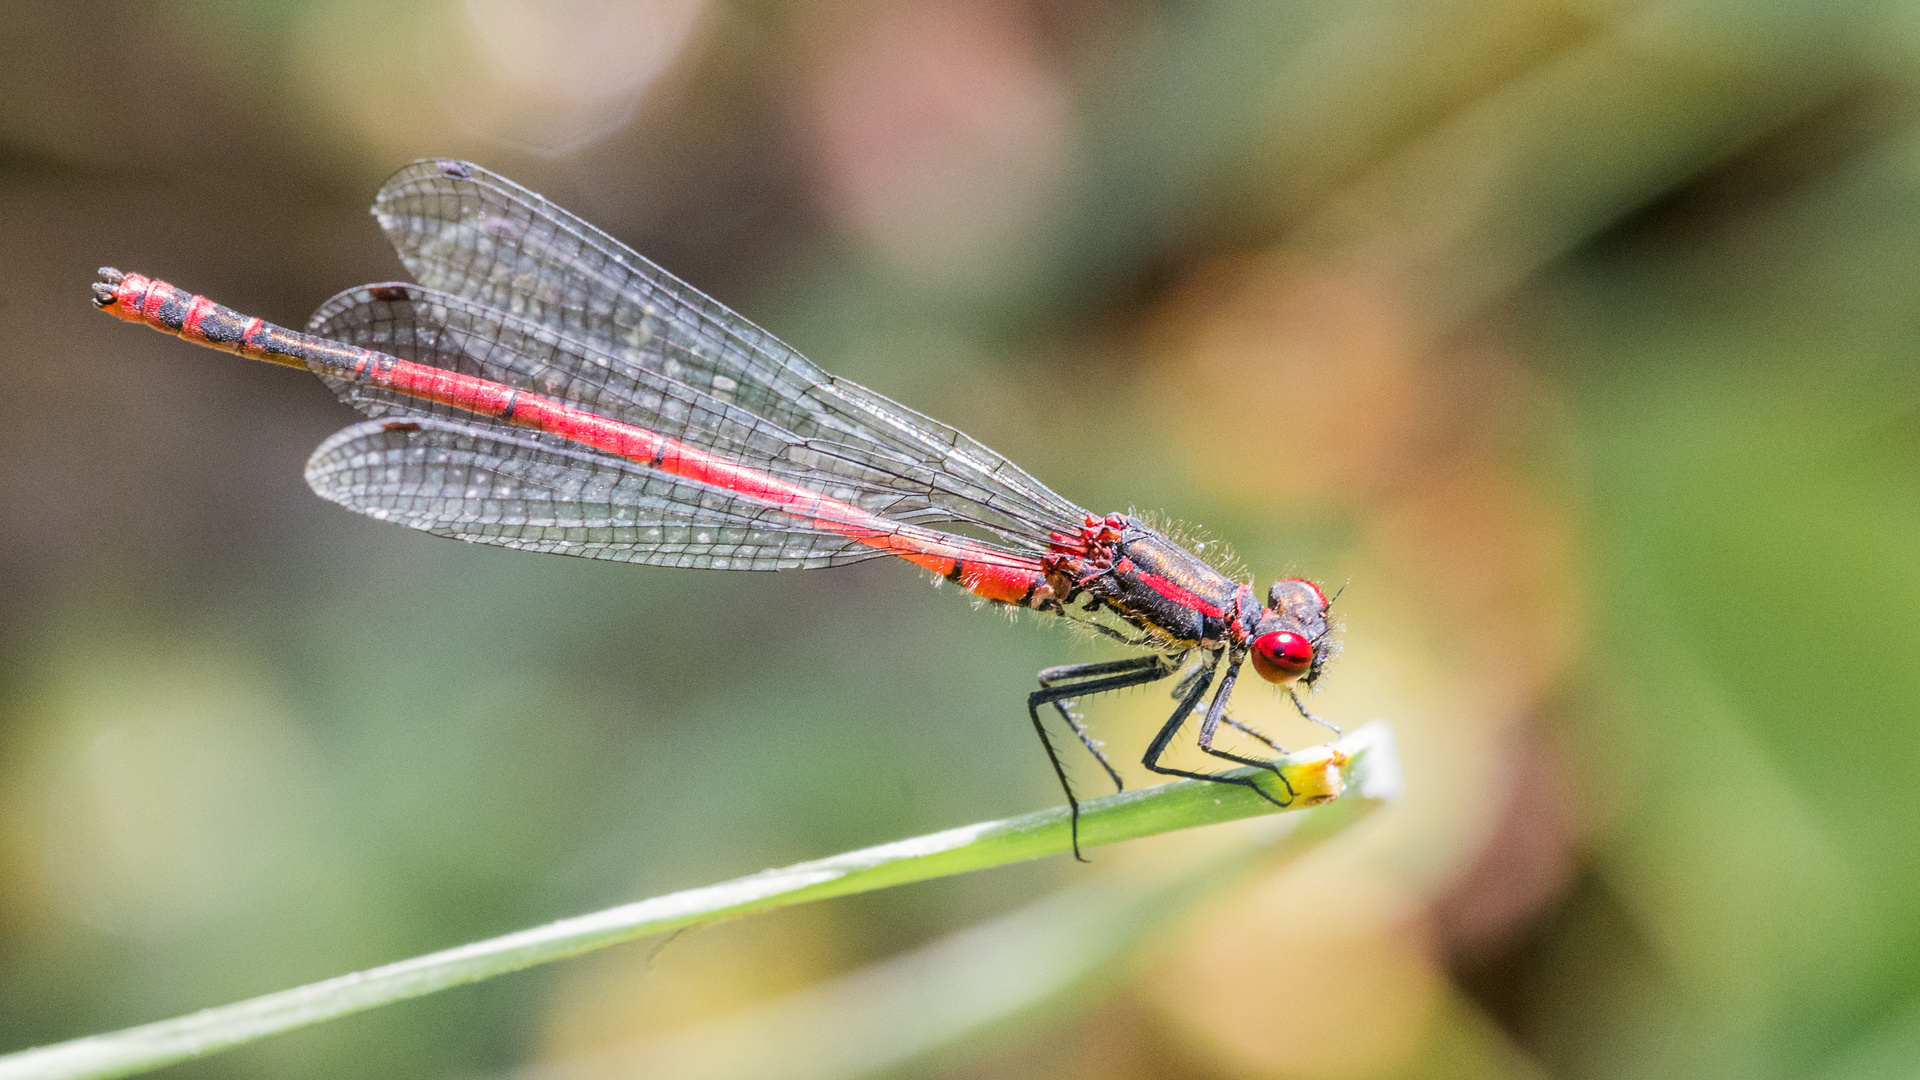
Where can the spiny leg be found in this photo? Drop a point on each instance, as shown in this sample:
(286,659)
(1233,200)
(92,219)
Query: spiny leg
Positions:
(1065,672)
(1237,725)
(1069,672)
(1195,685)
(1179,718)
(1214,711)
(1185,686)
(1096,678)
(1087,740)
(1200,671)
(1053,758)
(1298,704)
(1210,725)
(1186,683)
(1109,631)
(1085,679)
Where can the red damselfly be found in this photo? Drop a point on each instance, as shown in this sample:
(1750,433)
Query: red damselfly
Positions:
(544,387)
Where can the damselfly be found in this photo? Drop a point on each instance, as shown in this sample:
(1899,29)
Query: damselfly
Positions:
(544,387)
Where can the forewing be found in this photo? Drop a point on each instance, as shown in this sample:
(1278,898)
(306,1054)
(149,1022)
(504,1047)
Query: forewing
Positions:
(462,229)
(522,490)
(457,334)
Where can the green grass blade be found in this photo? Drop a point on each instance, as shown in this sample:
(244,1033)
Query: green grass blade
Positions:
(1363,765)
(962,995)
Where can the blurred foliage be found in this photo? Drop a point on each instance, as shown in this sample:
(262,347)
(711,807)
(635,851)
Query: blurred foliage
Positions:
(1577,337)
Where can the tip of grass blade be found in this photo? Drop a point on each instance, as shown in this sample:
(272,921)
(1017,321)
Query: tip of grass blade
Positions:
(1375,761)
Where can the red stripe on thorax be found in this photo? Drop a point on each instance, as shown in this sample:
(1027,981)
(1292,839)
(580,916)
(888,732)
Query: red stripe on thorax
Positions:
(1177,594)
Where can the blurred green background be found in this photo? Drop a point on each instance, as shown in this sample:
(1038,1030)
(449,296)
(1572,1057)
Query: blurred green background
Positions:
(1576,337)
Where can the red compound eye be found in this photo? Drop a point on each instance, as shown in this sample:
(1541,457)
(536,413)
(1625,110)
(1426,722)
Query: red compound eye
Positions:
(1282,656)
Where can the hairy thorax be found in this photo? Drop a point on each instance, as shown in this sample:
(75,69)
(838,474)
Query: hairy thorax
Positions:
(1120,564)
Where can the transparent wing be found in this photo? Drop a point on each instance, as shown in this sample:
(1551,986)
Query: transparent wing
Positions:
(462,229)
(457,334)
(523,490)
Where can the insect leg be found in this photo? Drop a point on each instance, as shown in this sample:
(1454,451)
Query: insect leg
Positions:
(1102,628)
(1298,704)
(1159,667)
(1058,685)
(1237,725)
(1049,676)
(1185,685)
(1214,711)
